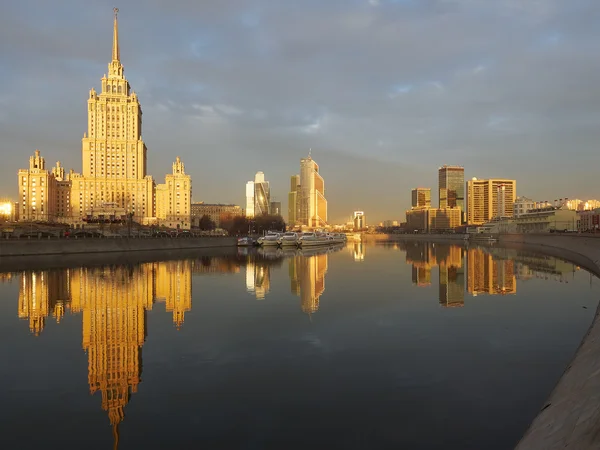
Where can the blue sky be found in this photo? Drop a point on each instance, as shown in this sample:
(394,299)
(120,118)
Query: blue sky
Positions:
(383,91)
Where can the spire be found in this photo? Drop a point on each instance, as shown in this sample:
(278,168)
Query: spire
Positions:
(115,50)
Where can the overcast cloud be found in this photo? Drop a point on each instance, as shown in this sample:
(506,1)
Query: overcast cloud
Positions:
(383,91)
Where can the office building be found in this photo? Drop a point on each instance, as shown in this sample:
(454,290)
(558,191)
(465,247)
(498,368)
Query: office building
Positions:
(313,205)
(421,198)
(114,183)
(451,187)
(489,199)
(258,196)
(359,221)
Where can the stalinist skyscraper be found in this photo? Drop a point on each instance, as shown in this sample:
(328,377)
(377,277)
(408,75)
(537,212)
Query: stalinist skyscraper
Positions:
(114,181)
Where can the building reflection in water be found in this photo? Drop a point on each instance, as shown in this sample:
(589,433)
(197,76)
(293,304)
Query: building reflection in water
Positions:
(449,259)
(358,250)
(489,275)
(258,279)
(489,270)
(113,301)
(307,279)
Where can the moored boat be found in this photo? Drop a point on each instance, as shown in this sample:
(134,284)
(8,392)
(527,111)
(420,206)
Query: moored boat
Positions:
(270,239)
(288,239)
(245,241)
(314,239)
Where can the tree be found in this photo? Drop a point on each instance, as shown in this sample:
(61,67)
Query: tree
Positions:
(206,223)
(269,222)
(236,225)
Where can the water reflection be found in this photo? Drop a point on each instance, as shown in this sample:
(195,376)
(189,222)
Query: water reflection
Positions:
(113,301)
(488,270)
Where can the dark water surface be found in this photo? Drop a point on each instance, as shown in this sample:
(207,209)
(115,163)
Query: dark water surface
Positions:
(415,346)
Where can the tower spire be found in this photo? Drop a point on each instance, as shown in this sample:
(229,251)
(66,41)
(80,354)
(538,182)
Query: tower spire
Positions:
(115,49)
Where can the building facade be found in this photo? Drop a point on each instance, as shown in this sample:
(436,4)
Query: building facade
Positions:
(490,199)
(312,202)
(589,220)
(275,208)
(359,221)
(426,220)
(523,205)
(421,198)
(451,186)
(216,211)
(114,182)
(258,196)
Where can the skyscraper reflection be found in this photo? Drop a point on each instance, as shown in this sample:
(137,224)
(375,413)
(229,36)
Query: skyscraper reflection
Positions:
(489,275)
(358,250)
(425,255)
(258,278)
(307,279)
(113,301)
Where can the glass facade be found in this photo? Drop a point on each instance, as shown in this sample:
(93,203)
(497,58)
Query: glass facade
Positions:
(452,187)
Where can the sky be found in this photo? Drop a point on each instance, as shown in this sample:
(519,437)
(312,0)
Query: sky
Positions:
(383,91)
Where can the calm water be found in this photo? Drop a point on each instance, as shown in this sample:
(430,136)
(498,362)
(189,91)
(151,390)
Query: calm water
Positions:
(414,346)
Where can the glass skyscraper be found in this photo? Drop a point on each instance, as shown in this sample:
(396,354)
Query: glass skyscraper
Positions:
(452,188)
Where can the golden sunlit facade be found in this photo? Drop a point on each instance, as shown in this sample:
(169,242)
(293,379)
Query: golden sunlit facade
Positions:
(312,204)
(114,182)
(489,199)
(113,301)
(307,279)
(490,276)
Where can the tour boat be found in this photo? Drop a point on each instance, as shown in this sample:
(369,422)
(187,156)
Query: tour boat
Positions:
(314,239)
(288,239)
(268,240)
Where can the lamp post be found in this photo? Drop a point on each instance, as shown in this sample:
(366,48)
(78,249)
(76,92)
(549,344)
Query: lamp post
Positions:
(130,219)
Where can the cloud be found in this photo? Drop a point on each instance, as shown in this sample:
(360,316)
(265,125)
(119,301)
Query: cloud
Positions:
(242,86)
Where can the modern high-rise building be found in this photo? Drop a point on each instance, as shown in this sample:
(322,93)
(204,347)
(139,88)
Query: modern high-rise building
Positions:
(490,199)
(421,198)
(313,205)
(258,196)
(451,187)
(359,220)
(275,208)
(294,201)
(114,183)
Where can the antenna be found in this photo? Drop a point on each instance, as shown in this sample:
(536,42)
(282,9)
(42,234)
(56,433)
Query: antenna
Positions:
(309,152)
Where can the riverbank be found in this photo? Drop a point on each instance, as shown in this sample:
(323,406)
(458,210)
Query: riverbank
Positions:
(61,247)
(570,418)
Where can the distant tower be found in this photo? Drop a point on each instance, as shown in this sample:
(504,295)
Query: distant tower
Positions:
(313,204)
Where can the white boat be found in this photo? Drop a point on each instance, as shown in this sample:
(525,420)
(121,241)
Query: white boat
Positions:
(245,241)
(314,239)
(288,239)
(270,239)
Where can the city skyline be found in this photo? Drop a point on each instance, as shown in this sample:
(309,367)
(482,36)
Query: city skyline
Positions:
(238,79)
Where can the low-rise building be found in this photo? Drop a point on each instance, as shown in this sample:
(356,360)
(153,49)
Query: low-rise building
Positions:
(417,220)
(432,220)
(588,220)
(444,219)
(216,211)
(523,205)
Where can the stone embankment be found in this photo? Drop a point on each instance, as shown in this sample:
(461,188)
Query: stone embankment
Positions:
(70,246)
(570,418)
